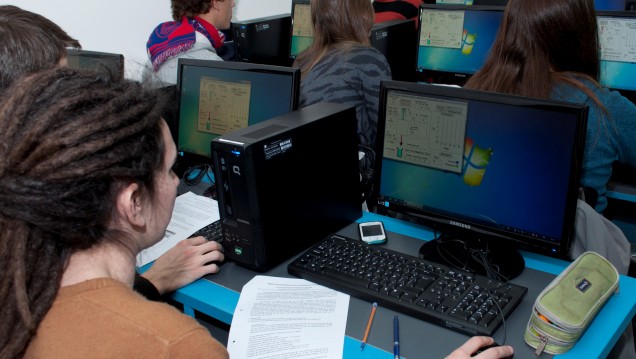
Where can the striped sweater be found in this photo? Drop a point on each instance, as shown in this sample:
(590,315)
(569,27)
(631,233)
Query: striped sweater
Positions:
(349,75)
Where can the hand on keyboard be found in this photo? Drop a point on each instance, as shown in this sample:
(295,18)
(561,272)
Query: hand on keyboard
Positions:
(187,261)
(211,232)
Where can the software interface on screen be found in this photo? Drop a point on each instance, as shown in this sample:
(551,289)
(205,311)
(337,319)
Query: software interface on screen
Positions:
(500,166)
(455,40)
(617,37)
(218,97)
(302,30)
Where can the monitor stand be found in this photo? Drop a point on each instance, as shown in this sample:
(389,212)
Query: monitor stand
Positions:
(470,256)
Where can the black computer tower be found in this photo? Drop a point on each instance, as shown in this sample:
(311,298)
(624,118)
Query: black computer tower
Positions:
(264,40)
(397,40)
(286,183)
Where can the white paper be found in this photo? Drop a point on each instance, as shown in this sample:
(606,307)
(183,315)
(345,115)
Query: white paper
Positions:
(288,318)
(191,212)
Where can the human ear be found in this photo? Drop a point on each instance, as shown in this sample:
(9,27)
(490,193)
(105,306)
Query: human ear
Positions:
(130,205)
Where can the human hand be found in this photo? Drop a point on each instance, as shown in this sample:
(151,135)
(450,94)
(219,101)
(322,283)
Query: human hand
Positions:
(187,261)
(473,344)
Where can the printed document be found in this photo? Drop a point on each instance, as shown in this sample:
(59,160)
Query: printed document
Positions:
(288,318)
(191,212)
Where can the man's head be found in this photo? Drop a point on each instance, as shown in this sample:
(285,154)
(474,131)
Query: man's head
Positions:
(30,43)
(216,12)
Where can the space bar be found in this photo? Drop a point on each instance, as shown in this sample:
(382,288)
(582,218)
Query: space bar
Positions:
(346,277)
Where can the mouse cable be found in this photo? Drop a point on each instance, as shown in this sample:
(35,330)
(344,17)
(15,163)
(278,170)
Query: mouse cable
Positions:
(193,175)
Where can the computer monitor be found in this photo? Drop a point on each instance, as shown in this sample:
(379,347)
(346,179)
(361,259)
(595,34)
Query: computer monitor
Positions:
(484,170)
(101,61)
(395,39)
(617,32)
(217,97)
(263,40)
(454,41)
(302,34)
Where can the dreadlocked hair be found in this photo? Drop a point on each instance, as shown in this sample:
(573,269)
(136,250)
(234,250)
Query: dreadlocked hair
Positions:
(70,140)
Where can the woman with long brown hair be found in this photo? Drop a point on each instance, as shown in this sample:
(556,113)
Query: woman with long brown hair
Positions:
(550,49)
(341,66)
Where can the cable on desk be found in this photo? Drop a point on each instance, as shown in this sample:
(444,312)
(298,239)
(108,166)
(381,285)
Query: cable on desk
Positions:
(193,175)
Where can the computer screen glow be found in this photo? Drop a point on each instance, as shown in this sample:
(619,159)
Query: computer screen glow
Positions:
(455,39)
(506,166)
(217,97)
(617,37)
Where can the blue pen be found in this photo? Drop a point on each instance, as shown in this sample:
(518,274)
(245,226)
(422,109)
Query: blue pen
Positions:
(396,338)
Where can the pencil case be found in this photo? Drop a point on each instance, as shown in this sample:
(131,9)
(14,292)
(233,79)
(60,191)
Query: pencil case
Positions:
(566,307)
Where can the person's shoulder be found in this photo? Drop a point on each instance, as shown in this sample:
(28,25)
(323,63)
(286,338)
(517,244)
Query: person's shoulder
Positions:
(368,57)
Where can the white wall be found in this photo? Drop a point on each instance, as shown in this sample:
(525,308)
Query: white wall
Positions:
(123,26)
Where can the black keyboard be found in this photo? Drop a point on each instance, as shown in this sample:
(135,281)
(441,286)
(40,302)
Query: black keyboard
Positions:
(211,232)
(464,302)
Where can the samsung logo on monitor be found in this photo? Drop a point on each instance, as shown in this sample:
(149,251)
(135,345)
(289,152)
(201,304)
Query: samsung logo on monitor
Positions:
(459,224)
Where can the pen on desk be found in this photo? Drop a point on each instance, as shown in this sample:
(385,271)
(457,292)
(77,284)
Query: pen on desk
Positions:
(396,337)
(368,329)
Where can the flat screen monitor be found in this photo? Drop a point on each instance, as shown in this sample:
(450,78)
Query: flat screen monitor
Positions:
(217,97)
(617,37)
(302,34)
(101,61)
(481,168)
(454,41)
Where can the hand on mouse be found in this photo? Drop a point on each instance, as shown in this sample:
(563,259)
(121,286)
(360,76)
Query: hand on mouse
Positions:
(472,345)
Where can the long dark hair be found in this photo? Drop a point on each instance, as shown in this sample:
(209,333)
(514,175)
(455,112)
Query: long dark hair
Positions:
(540,44)
(336,23)
(70,140)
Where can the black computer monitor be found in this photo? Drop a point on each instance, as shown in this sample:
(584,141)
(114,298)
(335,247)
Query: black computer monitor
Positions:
(302,34)
(217,97)
(101,61)
(480,168)
(617,31)
(263,40)
(454,41)
(395,39)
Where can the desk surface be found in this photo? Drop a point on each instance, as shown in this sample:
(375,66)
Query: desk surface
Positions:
(217,296)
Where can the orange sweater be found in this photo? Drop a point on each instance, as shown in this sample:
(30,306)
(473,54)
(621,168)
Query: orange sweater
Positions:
(104,318)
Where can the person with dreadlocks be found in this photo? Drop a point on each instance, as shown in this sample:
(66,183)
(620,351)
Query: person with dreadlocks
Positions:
(32,43)
(85,185)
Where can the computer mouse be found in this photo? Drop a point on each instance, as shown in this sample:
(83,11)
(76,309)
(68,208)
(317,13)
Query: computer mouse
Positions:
(482,349)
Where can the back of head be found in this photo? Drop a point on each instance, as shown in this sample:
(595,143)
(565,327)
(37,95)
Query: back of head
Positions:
(538,42)
(70,140)
(30,43)
(336,23)
(189,8)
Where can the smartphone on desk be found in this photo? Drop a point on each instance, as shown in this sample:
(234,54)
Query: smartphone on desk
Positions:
(372,232)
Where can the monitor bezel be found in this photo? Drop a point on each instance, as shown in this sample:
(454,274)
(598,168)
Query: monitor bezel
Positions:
(445,77)
(441,222)
(194,158)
